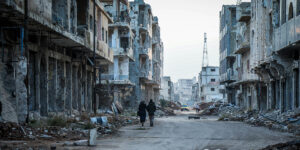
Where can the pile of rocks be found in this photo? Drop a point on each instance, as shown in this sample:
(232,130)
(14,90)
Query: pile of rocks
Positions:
(293,145)
(211,108)
(288,121)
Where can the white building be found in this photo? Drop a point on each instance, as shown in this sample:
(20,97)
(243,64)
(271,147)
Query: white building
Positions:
(167,89)
(184,89)
(209,84)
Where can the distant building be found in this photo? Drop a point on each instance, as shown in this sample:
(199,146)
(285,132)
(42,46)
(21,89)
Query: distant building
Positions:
(167,89)
(184,89)
(209,85)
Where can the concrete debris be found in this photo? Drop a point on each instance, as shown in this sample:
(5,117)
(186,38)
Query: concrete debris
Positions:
(81,143)
(93,137)
(293,145)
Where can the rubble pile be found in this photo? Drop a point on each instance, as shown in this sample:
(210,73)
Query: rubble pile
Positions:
(167,108)
(59,128)
(293,145)
(288,121)
(211,108)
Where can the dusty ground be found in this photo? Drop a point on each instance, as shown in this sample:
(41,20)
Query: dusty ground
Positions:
(179,133)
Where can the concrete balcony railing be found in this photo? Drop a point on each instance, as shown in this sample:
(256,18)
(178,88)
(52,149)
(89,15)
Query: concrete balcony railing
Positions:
(124,52)
(229,76)
(287,35)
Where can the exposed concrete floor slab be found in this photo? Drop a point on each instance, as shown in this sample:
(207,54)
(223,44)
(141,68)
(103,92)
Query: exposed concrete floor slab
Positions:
(179,133)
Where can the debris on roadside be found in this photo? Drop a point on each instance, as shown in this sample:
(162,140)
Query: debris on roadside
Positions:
(167,108)
(293,145)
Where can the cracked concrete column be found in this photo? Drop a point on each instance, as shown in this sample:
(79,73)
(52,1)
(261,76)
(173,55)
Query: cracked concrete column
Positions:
(281,87)
(21,90)
(37,81)
(294,91)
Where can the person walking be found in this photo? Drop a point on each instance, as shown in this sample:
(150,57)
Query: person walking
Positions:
(151,108)
(142,112)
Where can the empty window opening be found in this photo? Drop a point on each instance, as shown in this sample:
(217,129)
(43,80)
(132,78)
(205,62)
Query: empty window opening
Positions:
(106,36)
(283,12)
(213,70)
(276,13)
(124,43)
(102,34)
(82,13)
(291,11)
(212,80)
(212,89)
(91,23)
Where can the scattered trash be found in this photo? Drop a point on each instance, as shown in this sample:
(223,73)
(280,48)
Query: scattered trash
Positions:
(194,117)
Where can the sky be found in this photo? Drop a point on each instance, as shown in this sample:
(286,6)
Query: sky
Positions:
(183,24)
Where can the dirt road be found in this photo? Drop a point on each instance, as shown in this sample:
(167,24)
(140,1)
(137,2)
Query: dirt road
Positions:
(179,133)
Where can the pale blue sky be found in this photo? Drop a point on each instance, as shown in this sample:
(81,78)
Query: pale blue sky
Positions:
(183,23)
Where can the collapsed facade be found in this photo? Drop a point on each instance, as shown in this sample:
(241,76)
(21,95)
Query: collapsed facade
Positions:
(68,57)
(269,59)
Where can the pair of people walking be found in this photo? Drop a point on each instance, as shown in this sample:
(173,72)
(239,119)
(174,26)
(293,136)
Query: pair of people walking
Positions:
(151,108)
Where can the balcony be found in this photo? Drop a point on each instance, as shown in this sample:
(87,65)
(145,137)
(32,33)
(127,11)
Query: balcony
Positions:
(144,51)
(242,47)
(124,52)
(244,12)
(229,76)
(287,35)
(117,80)
(155,40)
(43,17)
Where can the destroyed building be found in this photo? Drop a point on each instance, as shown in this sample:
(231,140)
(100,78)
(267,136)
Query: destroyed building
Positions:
(209,84)
(73,57)
(146,70)
(167,89)
(267,54)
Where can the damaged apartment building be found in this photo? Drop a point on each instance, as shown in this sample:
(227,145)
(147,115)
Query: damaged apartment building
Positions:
(259,54)
(146,71)
(55,53)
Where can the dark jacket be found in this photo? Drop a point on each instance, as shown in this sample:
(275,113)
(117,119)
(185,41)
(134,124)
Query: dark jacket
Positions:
(151,108)
(142,109)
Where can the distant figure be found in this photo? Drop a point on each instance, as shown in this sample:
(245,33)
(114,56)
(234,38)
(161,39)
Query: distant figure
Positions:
(151,108)
(142,112)
(197,108)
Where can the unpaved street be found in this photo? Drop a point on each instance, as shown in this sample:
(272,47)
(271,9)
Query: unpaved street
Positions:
(179,133)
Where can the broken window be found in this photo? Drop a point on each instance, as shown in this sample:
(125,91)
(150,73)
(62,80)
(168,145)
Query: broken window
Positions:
(298,7)
(276,14)
(283,12)
(91,23)
(82,13)
(212,89)
(291,11)
(124,43)
(212,80)
(103,34)
(213,70)
(248,65)
(106,37)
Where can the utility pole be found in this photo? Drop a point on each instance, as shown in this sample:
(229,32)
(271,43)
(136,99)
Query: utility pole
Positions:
(205,53)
